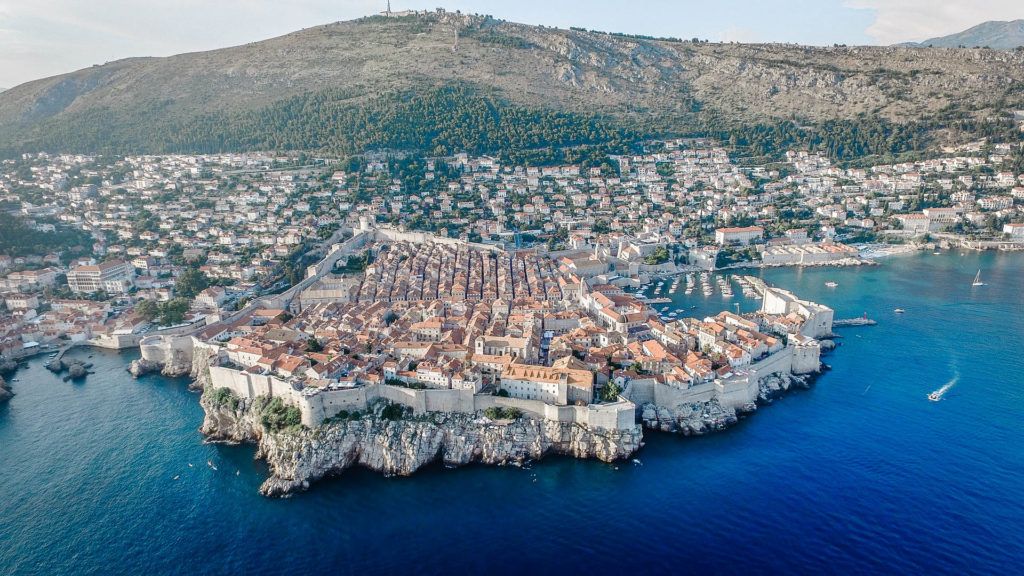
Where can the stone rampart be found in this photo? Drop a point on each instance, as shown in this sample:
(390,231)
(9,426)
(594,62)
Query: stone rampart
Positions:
(319,405)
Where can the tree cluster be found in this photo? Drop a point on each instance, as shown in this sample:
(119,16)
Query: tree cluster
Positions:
(17,238)
(166,313)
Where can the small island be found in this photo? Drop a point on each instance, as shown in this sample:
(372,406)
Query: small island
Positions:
(441,349)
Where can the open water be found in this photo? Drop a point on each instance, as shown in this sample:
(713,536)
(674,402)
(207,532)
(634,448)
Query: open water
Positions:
(860,474)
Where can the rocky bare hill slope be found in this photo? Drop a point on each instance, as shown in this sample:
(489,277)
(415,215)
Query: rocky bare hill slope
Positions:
(994,34)
(365,83)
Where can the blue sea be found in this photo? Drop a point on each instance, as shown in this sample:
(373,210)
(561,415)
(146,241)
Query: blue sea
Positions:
(859,475)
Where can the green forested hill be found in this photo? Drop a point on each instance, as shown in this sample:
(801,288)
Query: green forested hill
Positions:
(436,120)
(442,82)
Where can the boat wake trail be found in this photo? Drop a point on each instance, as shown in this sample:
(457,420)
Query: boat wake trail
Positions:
(938,394)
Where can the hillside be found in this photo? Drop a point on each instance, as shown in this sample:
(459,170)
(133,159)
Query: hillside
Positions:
(404,83)
(994,34)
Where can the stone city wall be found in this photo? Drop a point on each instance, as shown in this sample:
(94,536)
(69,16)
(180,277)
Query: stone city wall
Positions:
(735,392)
(162,348)
(317,406)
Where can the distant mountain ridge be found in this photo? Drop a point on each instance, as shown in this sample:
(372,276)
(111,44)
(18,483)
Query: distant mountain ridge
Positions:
(995,34)
(439,81)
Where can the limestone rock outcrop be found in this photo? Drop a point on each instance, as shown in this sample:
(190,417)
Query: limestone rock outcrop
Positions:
(776,385)
(170,355)
(400,447)
(199,369)
(141,367)
(698,418)
(178,363)
(5,392)
(693,419)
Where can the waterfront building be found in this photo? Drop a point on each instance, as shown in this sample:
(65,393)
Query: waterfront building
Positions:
(1015,230)
(822,253)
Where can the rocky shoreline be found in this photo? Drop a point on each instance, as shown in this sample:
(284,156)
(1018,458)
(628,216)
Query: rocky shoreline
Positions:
(399,447)
(7,367)
(700,418)
(5,391)
(141,367)
(76,369)
(298,456)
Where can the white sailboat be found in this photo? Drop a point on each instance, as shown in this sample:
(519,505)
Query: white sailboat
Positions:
(977,279)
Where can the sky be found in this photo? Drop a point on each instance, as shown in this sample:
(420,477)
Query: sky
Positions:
(40,38)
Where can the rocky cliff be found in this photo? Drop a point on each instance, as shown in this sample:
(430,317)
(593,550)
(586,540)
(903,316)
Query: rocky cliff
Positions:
(199,371)
(173,357)
(699,418)
(141,367)
(176,366)
(299,456)
(5,392)
(694,419)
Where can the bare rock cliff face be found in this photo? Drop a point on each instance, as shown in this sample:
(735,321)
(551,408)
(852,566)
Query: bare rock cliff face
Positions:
(179,363)
(175,361)
(141,367)
(401,447)
(199,370)
(5,391)
(699,418)
(693,419)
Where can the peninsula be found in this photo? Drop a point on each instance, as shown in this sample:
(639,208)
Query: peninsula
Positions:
(441,349)
(461,307)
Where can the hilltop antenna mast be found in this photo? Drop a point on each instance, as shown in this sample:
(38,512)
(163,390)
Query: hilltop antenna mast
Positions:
(388,12)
